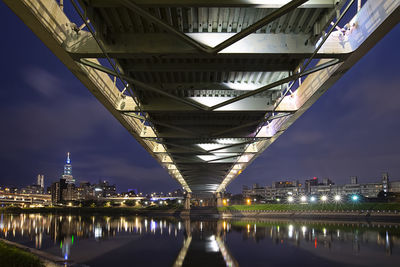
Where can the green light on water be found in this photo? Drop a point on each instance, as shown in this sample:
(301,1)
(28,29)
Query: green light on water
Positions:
(72,241)
(61,244)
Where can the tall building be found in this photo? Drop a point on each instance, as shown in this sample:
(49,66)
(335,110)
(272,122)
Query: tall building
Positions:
(55,193)
(67,176)
(353,180)
(385,182)
(40,180)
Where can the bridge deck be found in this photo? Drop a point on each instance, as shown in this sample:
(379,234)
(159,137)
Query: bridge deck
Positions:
(211,84)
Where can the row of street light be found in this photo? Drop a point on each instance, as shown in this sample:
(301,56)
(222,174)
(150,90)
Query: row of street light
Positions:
(323,199)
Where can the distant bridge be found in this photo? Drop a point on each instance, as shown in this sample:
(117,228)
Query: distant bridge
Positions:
(206,86)
(12,198)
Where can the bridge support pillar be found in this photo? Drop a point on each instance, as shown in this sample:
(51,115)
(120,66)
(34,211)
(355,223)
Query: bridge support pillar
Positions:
(187,201)
(219,197)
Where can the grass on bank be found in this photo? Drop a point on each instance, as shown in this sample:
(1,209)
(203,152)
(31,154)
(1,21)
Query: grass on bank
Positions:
(312,207)
(14,257)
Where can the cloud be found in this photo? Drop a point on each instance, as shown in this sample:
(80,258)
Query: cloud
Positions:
(41,80)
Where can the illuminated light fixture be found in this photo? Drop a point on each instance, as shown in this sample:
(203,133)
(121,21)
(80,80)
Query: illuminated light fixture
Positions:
(313,199)
(245,158)
(248,201)
(227,141)
(207,157)
(278,200)
(337,198)
(290,199)
(243,86)
(354,197)
(324,198)
(210,146)
(237,167)
(303,198)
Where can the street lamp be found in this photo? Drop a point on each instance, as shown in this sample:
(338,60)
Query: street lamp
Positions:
(313,199)
(303,198)
(354,198)
(324,198)
(337,198)
(290,199)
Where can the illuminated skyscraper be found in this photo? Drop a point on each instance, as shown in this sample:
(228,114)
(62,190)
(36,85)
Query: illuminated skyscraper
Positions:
(69,179)
(40,180)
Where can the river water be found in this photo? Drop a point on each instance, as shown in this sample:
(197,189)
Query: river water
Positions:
(145,241)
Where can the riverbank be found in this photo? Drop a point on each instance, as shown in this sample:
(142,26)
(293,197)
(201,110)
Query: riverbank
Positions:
(360,211)
(17,255)
(315,207)
(97,211)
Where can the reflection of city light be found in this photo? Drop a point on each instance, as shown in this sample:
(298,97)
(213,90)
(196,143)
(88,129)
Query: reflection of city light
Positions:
(290,232)
(304,229)
(211,244)
(152,226)
(97,232)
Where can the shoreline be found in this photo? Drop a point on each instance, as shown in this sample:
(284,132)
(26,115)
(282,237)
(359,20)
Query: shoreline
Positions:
(48,260)
(358,215)
(315,215)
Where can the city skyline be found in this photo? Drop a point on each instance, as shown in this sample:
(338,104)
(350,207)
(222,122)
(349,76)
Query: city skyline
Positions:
(351,130)
(68,177)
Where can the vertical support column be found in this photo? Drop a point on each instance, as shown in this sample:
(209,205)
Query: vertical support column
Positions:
(219,199)
(187,201)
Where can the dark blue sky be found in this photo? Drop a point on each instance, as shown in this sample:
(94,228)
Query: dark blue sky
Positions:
(353,129)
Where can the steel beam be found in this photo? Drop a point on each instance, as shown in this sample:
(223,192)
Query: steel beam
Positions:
(213,3)
(132,45)
(141,84)
(258,25)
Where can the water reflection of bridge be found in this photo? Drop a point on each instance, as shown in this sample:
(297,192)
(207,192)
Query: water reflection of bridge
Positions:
(204,240)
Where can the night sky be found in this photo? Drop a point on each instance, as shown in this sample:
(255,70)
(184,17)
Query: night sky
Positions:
(45,112)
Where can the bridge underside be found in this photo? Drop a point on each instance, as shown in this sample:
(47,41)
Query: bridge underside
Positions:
(206,86)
